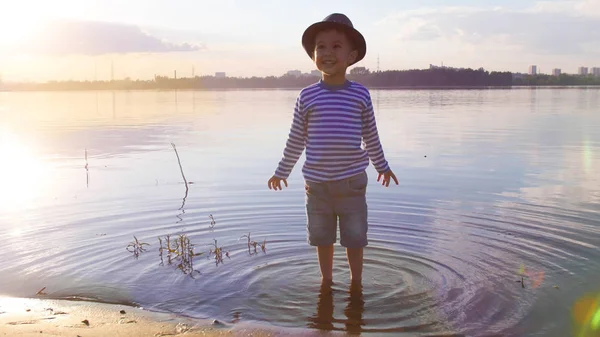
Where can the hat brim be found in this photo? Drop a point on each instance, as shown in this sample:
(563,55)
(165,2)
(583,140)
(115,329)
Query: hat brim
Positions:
(310,34)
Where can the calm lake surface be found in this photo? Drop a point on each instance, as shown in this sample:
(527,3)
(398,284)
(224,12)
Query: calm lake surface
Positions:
(494,185)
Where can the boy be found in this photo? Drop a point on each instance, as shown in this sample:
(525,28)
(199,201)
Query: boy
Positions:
(331,119)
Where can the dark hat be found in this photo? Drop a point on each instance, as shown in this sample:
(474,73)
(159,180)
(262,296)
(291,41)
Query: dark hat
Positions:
(337,21)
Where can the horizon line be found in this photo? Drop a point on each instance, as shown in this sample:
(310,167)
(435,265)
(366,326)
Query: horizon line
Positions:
(302,74)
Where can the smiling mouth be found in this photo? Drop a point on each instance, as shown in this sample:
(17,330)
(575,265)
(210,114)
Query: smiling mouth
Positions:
(329,62)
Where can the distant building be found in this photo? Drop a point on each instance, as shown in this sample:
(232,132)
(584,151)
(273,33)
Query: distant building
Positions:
(583,71)
(533,70)
(315,73)
(295,73)
(556,72)
(595,72)
(220,74)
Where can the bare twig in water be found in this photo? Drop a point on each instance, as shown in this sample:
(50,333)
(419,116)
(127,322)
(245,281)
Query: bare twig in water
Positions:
(136,247)
(212,221)
(180,167)
(160,251)
(183,175)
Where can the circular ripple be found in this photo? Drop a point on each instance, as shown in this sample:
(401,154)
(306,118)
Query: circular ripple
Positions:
(400,293)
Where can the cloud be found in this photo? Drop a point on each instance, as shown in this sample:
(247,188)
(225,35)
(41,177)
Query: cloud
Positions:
(95,38)
(548,27)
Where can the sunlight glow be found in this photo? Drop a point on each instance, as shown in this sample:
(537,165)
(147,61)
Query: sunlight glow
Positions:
(16,232)
(16,29)
(21,174)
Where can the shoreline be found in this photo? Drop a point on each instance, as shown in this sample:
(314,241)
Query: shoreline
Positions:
(415,88)
(25,317)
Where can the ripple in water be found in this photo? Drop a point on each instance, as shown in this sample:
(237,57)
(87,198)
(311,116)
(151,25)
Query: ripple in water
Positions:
(445,248)
(447,273)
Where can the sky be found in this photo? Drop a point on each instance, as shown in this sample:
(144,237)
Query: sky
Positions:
(44,40)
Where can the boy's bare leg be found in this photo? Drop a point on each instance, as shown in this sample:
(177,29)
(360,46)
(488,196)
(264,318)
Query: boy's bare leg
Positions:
(355,261)
(325,254)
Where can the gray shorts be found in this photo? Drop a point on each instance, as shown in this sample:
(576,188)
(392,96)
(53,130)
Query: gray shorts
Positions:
(327,201)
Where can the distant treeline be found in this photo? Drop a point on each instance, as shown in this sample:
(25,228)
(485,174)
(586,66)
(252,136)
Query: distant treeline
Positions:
(563,79)
(426,78)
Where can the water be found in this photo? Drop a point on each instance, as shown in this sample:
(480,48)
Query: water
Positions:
(492,182)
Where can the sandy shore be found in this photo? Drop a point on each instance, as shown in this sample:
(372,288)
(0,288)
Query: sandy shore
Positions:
(23,317)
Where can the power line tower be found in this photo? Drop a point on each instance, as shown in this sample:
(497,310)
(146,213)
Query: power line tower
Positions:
(377,62)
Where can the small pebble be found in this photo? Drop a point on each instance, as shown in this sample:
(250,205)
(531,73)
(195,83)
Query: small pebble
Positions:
(555,287)
(28,310)
(86,322)
(122,312)
(217,323)
(182,328)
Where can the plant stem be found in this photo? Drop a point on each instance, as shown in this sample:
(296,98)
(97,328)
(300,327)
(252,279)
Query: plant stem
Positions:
(180,167)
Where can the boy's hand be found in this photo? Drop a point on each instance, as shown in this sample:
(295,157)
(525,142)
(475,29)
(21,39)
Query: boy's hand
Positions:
(275,183)
(386,178)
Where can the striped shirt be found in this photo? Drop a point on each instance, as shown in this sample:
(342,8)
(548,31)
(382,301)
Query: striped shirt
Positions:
(331,123)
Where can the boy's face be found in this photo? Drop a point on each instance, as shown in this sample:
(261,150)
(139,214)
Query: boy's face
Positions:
(333,52)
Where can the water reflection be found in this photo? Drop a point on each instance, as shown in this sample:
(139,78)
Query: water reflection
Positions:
(22,174)
(354,309)
(324,318)
(499,187)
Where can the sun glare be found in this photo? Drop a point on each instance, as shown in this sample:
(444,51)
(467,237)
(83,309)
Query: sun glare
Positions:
(21,173)
(16,27)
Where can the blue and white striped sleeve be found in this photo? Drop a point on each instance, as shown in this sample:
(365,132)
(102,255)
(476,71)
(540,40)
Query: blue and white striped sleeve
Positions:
(371,137)
(295,144)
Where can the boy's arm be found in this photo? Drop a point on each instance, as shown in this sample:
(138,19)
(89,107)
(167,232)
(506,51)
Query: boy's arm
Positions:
(295,144)
(371,138)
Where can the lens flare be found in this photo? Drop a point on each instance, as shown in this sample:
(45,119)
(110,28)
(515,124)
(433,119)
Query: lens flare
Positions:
(536,278)
(596,320)
(586,315)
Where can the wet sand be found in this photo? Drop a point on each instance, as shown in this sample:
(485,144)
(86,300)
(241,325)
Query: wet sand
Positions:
(24,317)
